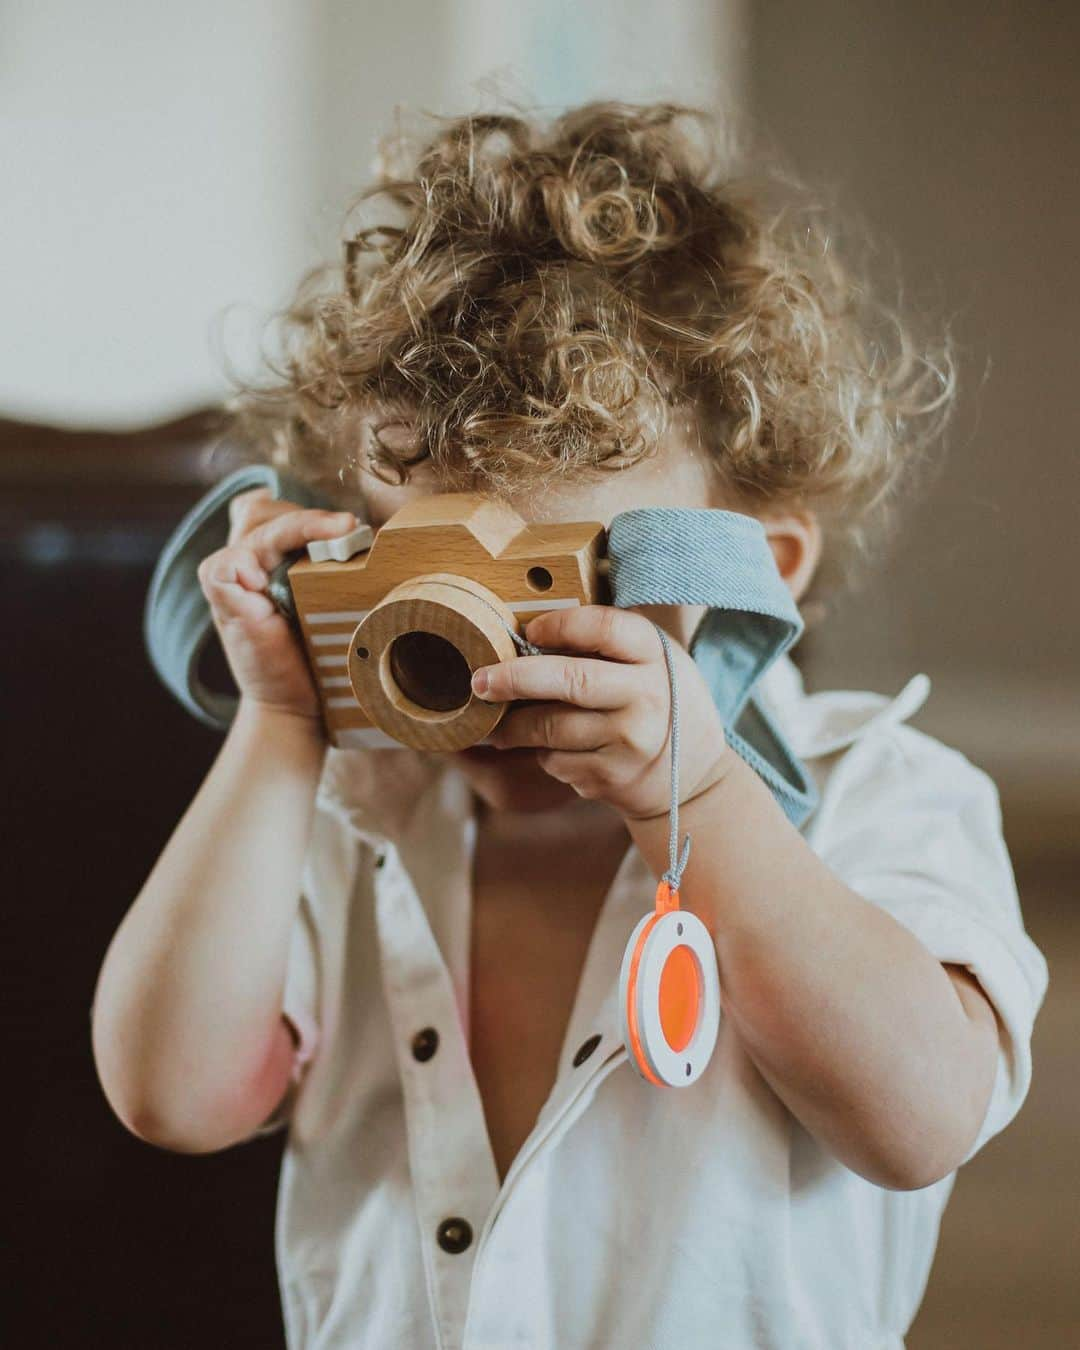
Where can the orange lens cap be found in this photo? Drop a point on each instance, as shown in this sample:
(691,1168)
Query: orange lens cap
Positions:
(669,998)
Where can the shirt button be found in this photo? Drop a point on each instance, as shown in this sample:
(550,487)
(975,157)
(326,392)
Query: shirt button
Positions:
(425,1043)
(380,859)
(585,1050)
(454,1235)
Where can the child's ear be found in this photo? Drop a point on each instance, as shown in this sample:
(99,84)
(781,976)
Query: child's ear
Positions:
(795,540)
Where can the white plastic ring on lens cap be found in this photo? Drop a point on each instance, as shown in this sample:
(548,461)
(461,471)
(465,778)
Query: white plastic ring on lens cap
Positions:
(677,1017)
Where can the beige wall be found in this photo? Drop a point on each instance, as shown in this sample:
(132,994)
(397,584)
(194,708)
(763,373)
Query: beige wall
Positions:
(953,129)
(460,57)
(171,171)
(157,170)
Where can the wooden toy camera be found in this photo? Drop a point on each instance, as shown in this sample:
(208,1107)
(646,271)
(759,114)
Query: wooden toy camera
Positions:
(396,622)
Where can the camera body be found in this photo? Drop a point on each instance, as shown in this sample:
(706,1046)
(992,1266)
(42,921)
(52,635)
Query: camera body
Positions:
(394,632)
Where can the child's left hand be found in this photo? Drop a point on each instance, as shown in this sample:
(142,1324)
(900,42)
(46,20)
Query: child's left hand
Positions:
(604,719)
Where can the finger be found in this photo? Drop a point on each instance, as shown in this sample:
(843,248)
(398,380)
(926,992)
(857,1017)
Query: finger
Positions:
(271,540)
(234,602)
(564,679)
(235,566)
(610,632)
(248,509)
(553,726)
(574,767)
(234,583)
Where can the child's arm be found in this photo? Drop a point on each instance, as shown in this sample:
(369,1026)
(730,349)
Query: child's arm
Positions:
(188,1037)
(886,1056)
(883,1053)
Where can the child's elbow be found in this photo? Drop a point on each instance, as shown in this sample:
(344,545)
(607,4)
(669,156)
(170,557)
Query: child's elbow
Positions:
(915,1174)
(915,1163)
(187,1129)
(183,1115)
(176,1136)
(166,1125)
(943,1131)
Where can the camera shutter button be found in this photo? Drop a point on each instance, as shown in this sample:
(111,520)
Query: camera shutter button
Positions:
(344,547)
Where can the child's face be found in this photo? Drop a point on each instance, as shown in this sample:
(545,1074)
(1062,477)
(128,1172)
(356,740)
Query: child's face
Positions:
(680,475)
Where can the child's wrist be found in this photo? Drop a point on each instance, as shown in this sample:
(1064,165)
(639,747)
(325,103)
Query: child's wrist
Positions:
(268,720)
(712,780)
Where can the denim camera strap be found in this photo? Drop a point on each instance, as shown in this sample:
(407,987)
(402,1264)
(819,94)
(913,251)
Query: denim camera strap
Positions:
(176,620)
(657,556)
(722,559)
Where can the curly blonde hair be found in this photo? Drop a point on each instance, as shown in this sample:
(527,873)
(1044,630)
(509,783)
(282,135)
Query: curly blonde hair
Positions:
(551,293)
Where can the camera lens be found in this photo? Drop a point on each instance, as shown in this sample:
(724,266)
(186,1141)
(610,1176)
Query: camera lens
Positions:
(430,671)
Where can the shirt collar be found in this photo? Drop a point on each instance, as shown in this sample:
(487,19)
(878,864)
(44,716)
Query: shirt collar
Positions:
(377,792)
(822,723)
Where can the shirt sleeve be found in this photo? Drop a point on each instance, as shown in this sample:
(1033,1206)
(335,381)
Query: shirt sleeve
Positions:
(914,827)
(300,1010)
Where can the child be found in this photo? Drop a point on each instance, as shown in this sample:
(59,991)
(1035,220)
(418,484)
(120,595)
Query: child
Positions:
(413,958)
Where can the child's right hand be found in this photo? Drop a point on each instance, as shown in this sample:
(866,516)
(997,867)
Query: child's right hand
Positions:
(264,654)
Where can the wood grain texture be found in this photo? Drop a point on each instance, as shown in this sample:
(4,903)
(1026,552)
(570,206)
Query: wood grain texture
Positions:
(461,542)
(466,615)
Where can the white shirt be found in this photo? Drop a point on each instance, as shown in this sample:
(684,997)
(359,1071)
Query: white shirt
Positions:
(633,1216)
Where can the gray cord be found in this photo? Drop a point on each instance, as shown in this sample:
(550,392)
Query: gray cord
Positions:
(524,646)
(676,863)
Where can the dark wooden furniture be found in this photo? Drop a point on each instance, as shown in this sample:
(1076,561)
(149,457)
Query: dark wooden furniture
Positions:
(114,1243)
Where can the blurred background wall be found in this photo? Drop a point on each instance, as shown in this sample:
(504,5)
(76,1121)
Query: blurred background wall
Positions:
(951,131)
(161,164)
(171,172)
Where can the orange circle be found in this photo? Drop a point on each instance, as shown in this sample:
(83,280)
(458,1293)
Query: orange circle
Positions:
(680,996)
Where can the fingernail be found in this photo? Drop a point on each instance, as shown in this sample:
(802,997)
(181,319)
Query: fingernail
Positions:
(480,681)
